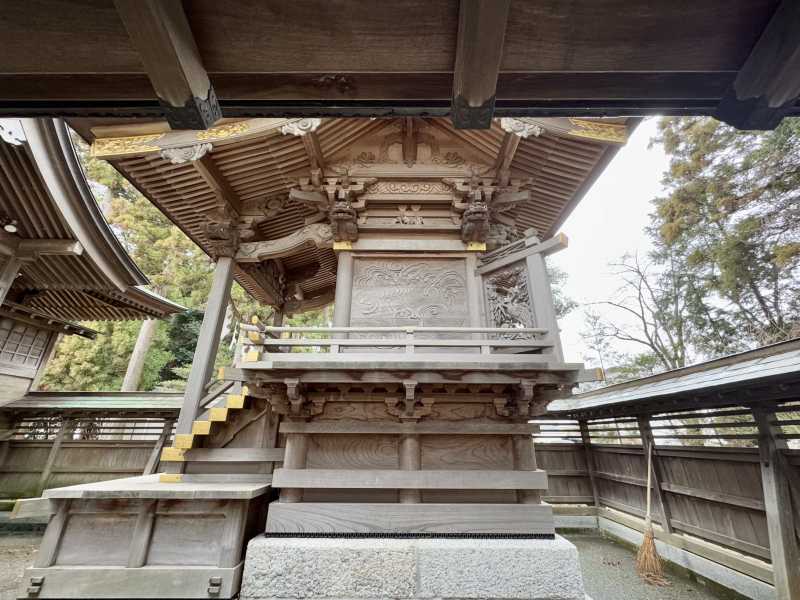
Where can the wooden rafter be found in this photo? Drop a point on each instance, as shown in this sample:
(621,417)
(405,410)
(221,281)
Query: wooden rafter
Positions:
(314,150)
(160,32)
(505,155)
(216,180)
(479,49)
(768,84)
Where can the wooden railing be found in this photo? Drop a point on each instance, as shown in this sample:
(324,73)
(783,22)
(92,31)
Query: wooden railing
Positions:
(486,340)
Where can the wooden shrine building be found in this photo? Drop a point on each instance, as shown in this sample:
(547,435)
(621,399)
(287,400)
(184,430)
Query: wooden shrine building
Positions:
(409,416)
(307,149)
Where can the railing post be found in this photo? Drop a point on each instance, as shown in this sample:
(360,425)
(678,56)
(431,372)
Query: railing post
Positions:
(646,433)
(410,340)
(783,546)
(588,454)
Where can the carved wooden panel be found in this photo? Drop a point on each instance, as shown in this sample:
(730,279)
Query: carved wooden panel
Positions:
(508,297)
(409,291)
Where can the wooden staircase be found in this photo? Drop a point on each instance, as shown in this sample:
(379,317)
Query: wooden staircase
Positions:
(205,450)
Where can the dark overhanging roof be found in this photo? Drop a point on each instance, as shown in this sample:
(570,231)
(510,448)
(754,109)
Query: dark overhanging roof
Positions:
(767,374)
(153,404)
(735,59)
(44,191)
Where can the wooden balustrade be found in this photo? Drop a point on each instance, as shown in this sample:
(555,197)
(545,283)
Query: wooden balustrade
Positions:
(486,340)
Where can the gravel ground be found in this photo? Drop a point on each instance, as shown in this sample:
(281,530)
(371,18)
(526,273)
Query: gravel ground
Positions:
(609,573)
(17,549)
(608,569)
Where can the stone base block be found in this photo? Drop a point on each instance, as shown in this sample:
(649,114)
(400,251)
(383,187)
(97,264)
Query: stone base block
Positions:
(377,568)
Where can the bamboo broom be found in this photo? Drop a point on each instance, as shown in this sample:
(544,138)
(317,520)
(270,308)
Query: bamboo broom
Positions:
(648,563)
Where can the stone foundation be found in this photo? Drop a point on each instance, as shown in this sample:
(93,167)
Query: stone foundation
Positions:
(377,568)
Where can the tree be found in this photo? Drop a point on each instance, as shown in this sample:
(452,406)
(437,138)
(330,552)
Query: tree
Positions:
(562,303)
(724,272)
(176,267)
(649,309)
(731,219)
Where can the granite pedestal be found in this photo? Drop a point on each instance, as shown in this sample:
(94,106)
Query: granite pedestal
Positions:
(379,568)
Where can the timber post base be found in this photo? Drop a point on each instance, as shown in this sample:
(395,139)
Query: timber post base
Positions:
(377,568)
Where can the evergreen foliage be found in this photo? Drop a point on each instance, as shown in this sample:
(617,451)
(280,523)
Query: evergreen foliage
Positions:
(724,273)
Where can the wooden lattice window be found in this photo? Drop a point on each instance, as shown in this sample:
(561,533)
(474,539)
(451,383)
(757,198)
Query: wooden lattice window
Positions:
(20,344)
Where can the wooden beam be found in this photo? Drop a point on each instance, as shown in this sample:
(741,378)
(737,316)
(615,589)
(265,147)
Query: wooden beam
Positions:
(8,274)
(768,84)
(421,428)
(783,544)
(505,155)
(63,432)
(405,480)
(216,181)
(116,141)
(365,517)
(152,462)
(160,32)
(479,49)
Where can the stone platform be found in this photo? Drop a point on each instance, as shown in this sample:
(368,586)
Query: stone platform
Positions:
(378,568)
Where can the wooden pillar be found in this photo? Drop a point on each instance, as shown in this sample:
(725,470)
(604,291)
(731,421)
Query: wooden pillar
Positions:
(588,453)
(541,296)
(161,442)
(658,476)
(410,460)
(207,343)
(294,457)
(66,428)
(8,274)
(525,460)
(344,289)
(783,545)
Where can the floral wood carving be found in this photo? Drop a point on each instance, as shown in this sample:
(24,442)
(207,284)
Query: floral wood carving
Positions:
(409,292)
(186,154)
(508,298)
(301,127)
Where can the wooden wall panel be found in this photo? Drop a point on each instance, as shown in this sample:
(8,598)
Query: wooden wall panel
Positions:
(467,452)
(352,452)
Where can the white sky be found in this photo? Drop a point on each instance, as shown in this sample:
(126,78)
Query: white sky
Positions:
(607,223)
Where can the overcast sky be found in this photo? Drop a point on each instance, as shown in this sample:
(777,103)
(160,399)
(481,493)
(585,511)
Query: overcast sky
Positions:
(607,223)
